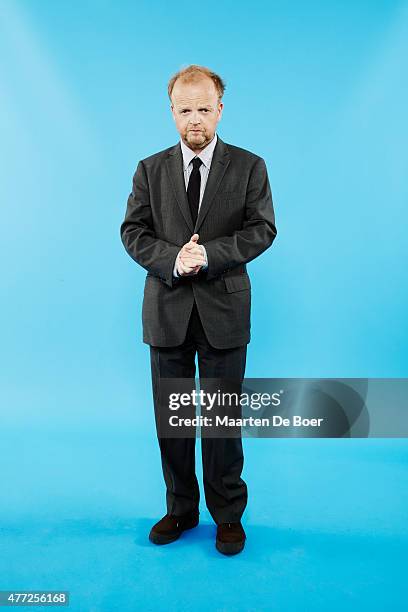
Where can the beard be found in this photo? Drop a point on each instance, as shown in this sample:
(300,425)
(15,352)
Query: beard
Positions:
(198,140)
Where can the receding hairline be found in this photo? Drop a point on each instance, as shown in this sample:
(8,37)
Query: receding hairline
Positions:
(194,82)
(194,74)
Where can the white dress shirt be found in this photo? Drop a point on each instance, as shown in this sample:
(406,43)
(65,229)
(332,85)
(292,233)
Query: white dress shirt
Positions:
(206,157)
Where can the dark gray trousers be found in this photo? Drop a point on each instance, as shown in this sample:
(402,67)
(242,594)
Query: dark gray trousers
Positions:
(222,458)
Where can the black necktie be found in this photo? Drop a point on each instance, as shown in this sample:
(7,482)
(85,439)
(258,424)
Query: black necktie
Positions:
(193,189)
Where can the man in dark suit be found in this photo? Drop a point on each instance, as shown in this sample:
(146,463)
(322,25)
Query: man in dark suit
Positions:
(198,212)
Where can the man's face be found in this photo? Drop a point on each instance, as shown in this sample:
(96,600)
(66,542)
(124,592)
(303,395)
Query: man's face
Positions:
(196,111)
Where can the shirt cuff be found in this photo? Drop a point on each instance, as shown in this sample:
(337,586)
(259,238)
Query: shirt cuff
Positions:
(175,271)
(205,266)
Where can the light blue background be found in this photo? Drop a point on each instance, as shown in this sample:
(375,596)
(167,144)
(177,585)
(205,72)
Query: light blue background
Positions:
(319,90)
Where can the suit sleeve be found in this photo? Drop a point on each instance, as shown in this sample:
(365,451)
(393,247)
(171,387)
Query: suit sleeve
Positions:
(258,231)
(155,255)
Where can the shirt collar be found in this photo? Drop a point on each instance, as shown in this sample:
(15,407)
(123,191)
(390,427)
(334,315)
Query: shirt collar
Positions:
(205,155)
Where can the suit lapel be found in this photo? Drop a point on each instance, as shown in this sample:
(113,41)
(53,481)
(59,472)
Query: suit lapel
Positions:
(219,164)
(174,165)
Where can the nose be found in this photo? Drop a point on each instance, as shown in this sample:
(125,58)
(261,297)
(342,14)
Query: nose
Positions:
(195,118)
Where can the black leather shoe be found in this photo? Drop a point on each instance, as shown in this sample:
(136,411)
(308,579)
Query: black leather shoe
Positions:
(230,538)
(170,527)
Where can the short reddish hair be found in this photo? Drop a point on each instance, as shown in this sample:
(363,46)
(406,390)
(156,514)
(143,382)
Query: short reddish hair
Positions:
(194,73)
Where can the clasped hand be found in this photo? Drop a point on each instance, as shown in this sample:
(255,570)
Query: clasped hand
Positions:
(191,257)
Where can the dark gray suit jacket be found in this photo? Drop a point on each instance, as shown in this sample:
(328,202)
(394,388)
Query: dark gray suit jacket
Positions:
(236,223)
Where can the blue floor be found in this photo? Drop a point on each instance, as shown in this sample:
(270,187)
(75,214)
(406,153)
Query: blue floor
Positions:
(326,524)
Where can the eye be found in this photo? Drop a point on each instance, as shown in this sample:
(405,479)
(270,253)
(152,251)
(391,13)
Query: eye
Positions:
(184,111)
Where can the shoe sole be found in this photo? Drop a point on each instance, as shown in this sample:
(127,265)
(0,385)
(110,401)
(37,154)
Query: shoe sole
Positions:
(161,538)
(229,548)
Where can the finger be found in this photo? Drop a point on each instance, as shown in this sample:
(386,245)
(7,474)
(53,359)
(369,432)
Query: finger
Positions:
(189,270)
(193,261)
(184,268)
(197,254)
(192,247)
(186,256)
(193,272)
